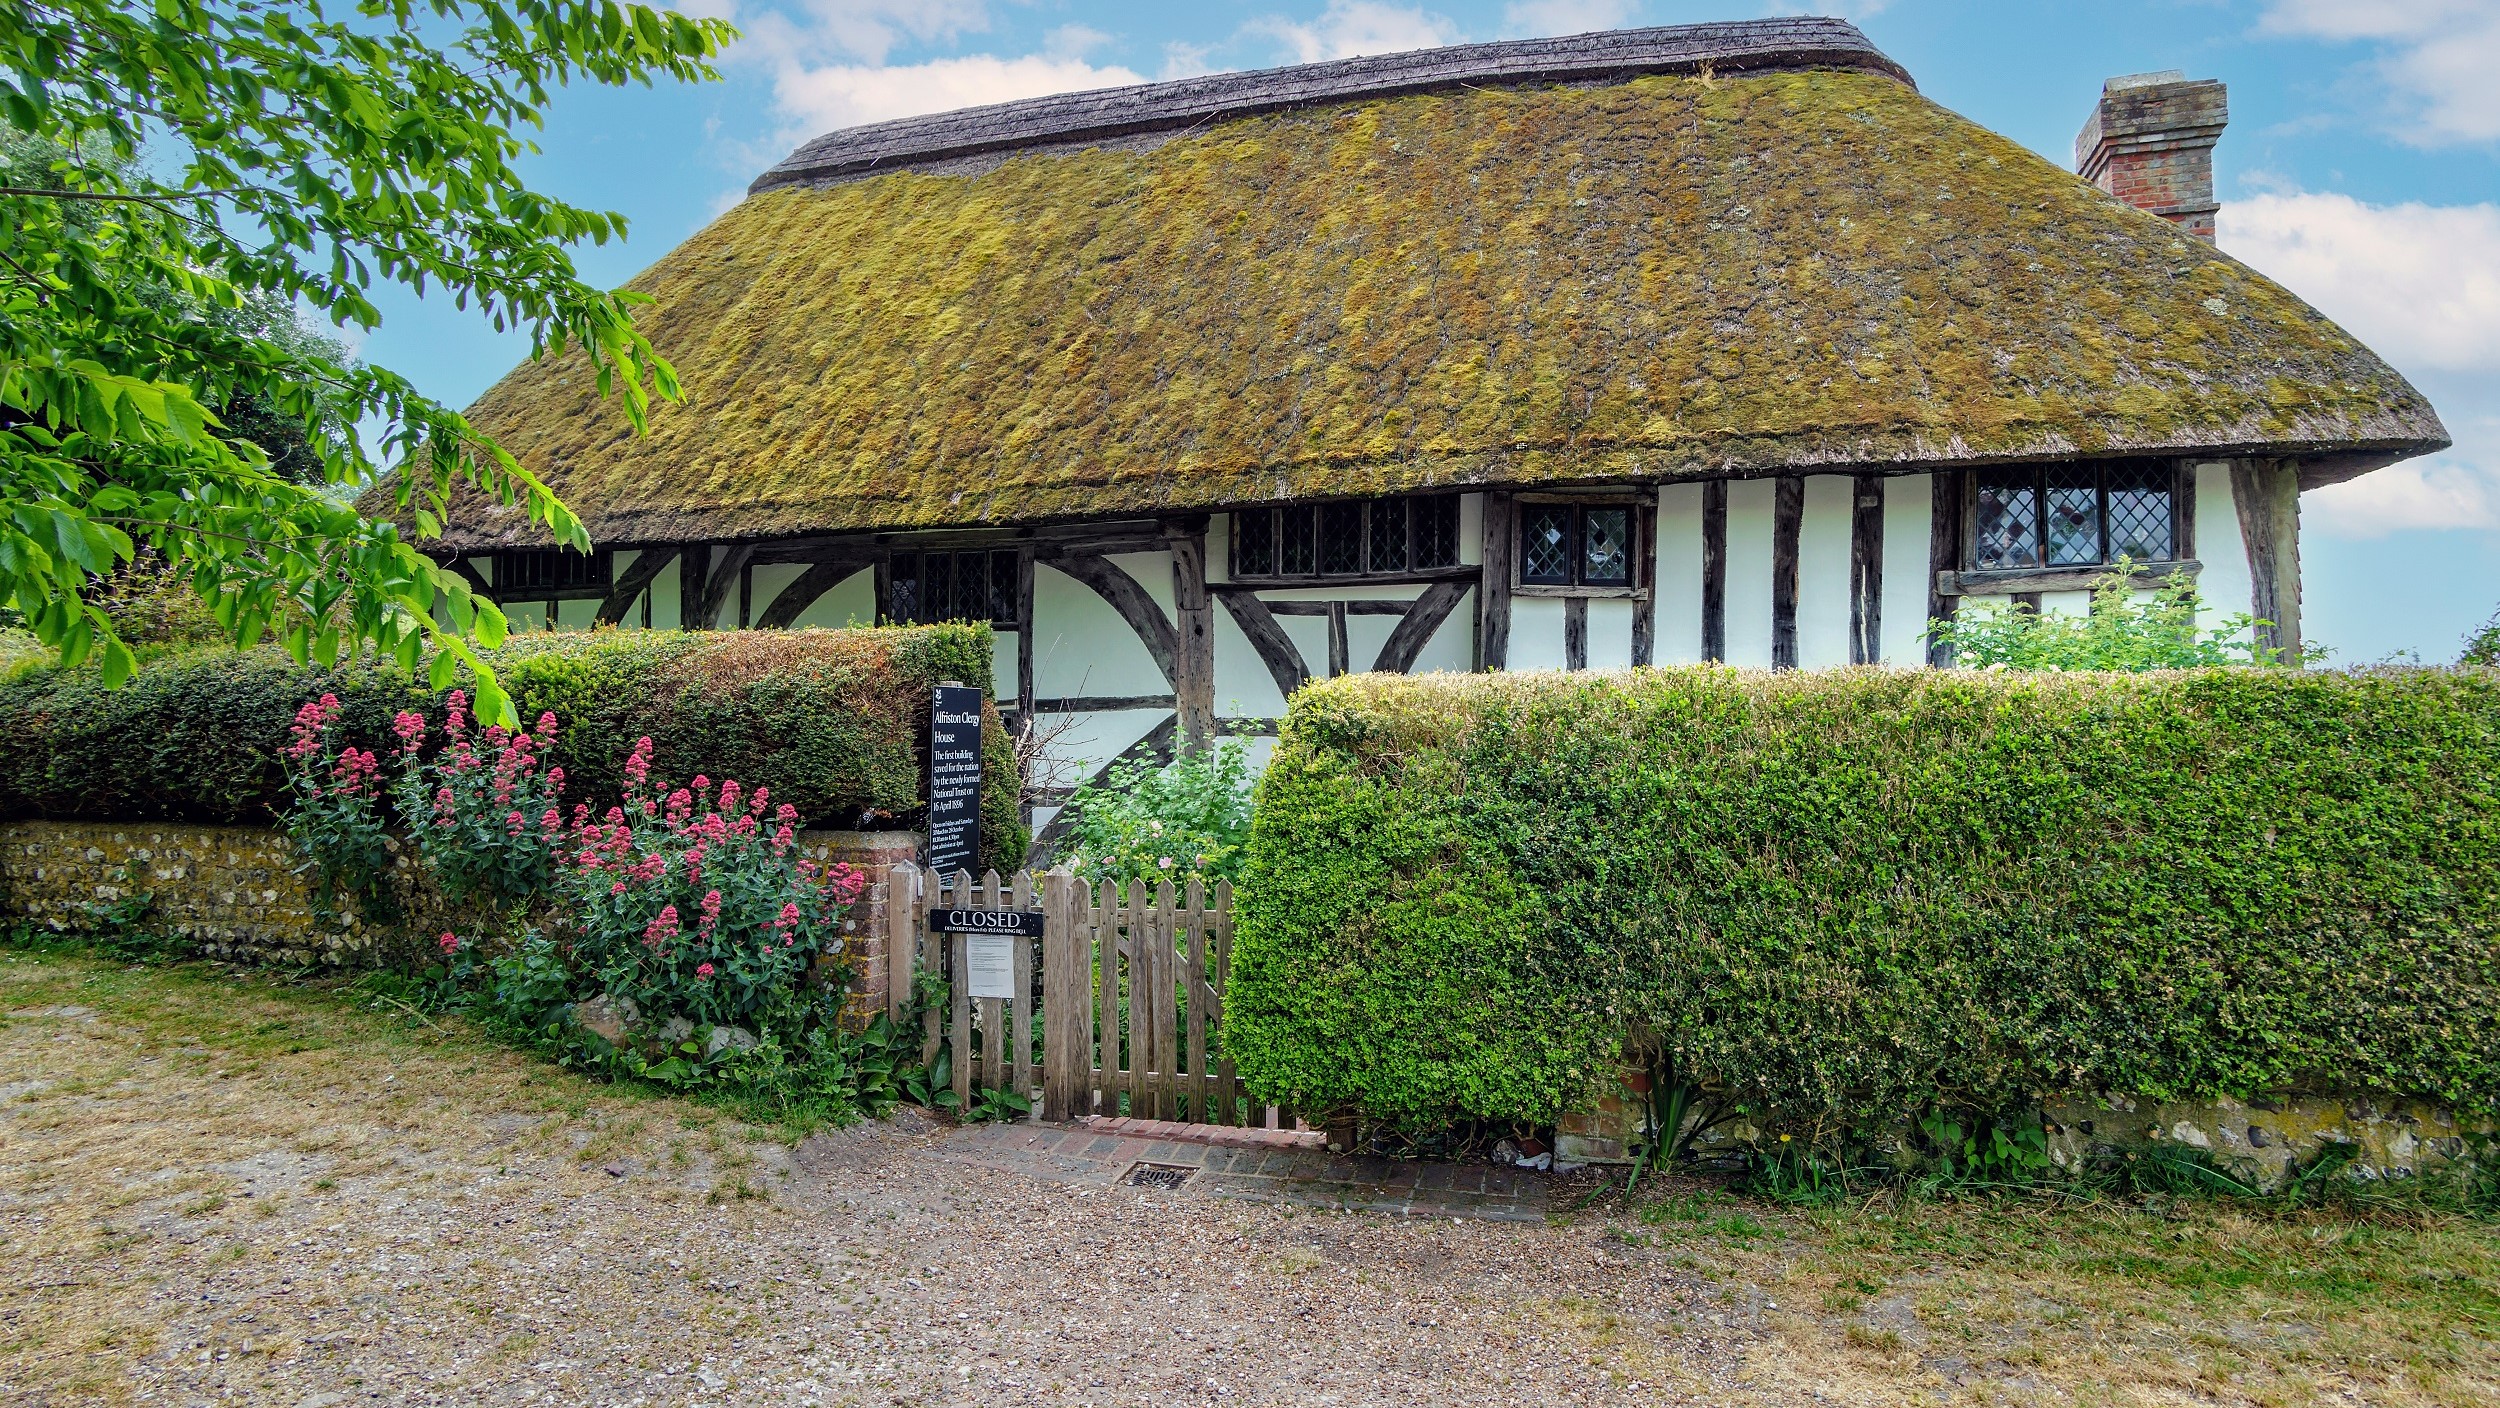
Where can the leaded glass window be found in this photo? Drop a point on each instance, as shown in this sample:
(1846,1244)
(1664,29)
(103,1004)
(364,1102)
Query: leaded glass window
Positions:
(552,569)
(1606,547)
(2009,521)
(1545,544)
(1576,545)
(2141,517)
(923,587)
(1382,537)
(2074,516)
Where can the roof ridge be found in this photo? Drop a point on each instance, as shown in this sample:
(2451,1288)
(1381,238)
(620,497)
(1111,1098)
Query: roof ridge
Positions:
(1750,46)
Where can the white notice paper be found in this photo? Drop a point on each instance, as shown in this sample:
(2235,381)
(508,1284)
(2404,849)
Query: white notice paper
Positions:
(990,961)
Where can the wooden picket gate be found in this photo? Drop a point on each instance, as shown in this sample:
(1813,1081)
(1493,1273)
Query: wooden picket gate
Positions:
(1130,992)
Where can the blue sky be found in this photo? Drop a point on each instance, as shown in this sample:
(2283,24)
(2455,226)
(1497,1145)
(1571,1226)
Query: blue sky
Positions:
(2361,169)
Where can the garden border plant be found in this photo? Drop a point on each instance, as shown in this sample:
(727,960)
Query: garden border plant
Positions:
(1849,899)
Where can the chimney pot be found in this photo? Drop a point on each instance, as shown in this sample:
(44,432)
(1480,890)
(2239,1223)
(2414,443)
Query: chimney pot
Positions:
(2150,142)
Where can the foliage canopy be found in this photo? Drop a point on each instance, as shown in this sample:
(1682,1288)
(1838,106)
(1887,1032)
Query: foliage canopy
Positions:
(309,154)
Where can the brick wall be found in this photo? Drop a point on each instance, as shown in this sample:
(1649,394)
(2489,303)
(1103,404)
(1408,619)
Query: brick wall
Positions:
(2150,142)
(233,890)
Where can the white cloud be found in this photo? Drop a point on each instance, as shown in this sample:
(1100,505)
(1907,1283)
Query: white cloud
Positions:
(2440,492)
(1351,27)
(845,95)
(2418,283)
(2421,285)
(1539,17)
(2439,60)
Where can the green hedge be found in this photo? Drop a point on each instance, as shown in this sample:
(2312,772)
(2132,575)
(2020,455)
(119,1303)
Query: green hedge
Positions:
(1858,894)
(832,721)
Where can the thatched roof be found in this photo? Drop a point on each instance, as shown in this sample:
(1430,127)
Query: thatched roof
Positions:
(1722,249)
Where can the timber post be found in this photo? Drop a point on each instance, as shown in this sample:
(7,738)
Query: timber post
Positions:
(1788,512)
(1866,569)
(1493,621)
(1193,654)
(2267,495)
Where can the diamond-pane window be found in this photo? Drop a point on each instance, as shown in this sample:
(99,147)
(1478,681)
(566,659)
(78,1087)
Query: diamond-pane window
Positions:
(2009,521)
(902,590)
(2074,521)
(1254,543)
(1606,547)
(1545,544)
(1003,586)
(1340,539)
(2140,515)
(1388,533)
(1299,548)
(1436,531)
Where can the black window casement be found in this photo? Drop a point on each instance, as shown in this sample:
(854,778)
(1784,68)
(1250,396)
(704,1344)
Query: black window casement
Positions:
(1568,546)
(544,573)
(1415,533)
(2047,517)
(926,587)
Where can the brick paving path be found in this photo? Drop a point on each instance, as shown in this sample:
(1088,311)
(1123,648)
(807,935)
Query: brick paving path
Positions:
(1300,1176)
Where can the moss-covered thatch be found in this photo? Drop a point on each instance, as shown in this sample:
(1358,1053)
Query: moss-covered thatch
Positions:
(1670,276)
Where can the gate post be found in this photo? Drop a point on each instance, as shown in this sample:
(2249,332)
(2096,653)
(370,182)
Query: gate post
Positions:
(1067,1009)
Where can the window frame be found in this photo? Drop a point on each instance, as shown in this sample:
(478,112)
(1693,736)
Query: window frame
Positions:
(2182,522)
(595,577)
(1636,520)
(1282,520)
(1000,559)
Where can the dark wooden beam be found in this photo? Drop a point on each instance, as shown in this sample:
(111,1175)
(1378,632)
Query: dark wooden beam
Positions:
(727,567)
(2267,495)
(1193,656)
(648,565)
(1645,609)
(1024,633)
(1714,570)
(1414,630)
(1944,554)
(1114,585)
(1277,651)
(1493,609)
(1866,569)
(1350,608)
(1100,703)
(804,592)
(693,583)
(2033,580)
(1575,633)
(1340,654)
(1788,516)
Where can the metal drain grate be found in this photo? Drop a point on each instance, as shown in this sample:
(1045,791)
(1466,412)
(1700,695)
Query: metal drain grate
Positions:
(1158,1176)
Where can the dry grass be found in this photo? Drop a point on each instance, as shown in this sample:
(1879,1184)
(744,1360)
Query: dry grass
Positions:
(224,1189)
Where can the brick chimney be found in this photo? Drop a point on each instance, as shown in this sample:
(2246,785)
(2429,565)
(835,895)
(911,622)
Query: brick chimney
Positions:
(2151,144)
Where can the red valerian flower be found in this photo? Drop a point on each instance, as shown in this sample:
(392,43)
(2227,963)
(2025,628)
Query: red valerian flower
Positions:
(703,970)
(449,942)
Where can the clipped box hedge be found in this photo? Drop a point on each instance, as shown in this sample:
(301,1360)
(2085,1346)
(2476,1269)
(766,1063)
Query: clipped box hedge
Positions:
(1856,895)
(832,721)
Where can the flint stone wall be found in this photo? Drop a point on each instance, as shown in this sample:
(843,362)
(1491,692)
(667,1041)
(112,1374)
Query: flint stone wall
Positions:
(233,891)
(2260,1141)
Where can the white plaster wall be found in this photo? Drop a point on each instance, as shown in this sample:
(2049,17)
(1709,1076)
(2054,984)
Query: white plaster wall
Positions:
(664,594)
(1749,508)
(1243,687)
(2224,582)
(1678,587)
(769,581)
(1610,633)
(1453,647)
(1536,633)
(522,616)
(1823,572)
(1470,529)
(1081,646)
(2065,603)
(1909,521)
(851,602)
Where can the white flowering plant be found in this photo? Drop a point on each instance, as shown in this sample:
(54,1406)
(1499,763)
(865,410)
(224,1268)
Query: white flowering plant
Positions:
(1190,817)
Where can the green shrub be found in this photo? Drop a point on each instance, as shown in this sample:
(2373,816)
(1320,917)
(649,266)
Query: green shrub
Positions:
(831,721)
(1852,896)
(1189,817)
(2120,632)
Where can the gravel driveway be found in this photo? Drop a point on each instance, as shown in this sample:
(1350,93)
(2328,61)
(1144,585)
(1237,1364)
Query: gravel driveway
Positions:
(220,1196)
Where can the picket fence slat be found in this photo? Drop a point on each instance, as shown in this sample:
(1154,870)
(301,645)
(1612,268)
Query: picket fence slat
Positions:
(1020,1007)
(1107,980)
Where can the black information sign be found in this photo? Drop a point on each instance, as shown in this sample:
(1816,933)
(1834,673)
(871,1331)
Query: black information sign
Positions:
(955,780)
(1024,923)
